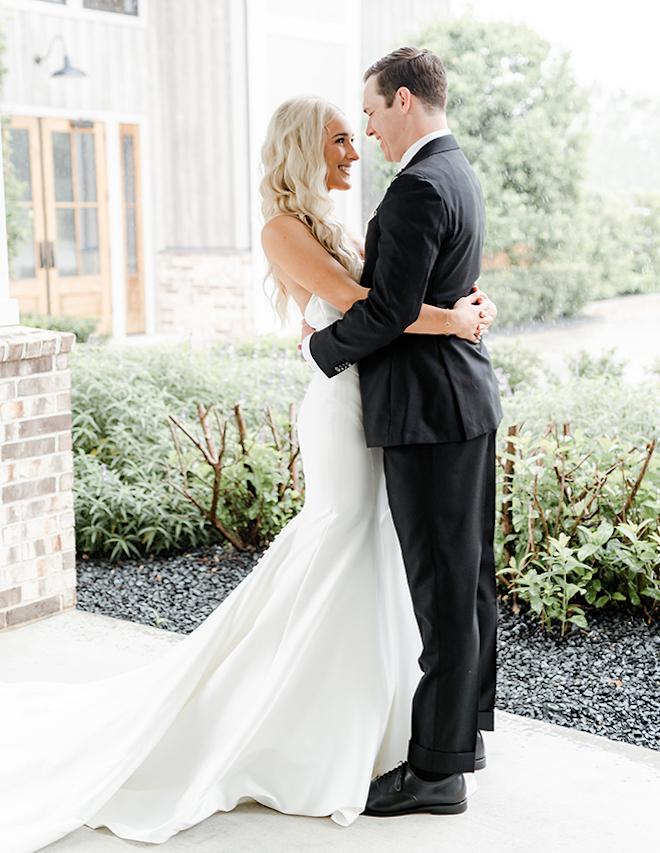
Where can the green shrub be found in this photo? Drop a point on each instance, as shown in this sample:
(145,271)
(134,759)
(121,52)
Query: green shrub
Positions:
(82,327)
(121,401)
(598,406)
(579,523)
(587,366)
(539,293)
(610,422)
(129,509)
(246,488)
(618,237)
(516,366)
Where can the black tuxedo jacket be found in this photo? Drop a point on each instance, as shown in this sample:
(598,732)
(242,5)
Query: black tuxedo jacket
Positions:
(423,244)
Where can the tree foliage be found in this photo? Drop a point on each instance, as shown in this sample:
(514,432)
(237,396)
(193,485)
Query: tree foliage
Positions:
(520,117)
(618,238)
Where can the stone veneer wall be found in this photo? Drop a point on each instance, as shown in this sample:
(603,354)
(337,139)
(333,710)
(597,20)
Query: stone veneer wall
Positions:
(205,293)
(37,546)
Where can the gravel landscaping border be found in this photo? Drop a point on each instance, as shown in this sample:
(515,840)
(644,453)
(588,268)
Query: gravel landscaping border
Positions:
(604,680)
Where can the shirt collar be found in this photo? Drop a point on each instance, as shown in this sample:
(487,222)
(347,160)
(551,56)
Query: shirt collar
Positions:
(417,146)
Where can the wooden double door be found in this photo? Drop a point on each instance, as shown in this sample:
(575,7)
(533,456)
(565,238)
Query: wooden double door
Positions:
(63,260)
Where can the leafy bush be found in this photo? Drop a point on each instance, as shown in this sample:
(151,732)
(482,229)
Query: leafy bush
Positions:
(246,489)
(610,422)
(542,292)
(587,366)
(516,366)
(618,238)
(82,327)
(121,401)
(598,406)
(579,523)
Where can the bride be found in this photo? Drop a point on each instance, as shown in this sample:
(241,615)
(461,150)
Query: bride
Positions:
(296,690)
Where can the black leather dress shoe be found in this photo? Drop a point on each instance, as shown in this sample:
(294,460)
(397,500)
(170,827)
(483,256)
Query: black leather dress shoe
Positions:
(400,792)
(479,753)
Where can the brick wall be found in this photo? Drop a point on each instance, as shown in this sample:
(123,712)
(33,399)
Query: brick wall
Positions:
(205,293)
(37,547)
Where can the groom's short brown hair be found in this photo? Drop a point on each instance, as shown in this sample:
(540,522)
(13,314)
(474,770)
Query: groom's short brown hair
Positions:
(417,69)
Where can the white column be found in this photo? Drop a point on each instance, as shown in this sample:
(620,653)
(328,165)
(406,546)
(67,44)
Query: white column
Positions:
(258,118)
(241,152)
(8,307)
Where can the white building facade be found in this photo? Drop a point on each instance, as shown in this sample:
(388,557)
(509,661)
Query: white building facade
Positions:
(140,179)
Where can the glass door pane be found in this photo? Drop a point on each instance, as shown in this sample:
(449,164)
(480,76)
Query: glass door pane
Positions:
(87,195)
(66,256)
(23,264)
(85,166)
(89,241)
(123,7)
(62,166)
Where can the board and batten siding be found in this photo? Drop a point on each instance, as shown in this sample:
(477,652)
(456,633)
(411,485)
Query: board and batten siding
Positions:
(196,138)
(115,59)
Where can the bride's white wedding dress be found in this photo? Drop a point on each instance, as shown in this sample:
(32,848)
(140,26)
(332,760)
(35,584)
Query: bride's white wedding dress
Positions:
(293,693)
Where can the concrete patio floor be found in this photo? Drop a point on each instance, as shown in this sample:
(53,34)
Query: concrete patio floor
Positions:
(546,788)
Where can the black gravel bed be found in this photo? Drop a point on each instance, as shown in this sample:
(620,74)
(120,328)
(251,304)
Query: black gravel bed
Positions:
(604,680)
(176,592)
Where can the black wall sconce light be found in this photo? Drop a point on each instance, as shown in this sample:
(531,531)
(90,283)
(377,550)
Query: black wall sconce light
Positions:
(67,69)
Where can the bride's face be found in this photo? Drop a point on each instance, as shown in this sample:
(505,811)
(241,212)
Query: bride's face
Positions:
(339,153)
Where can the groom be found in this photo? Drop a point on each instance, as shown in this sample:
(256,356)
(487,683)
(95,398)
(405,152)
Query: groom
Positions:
(432,403)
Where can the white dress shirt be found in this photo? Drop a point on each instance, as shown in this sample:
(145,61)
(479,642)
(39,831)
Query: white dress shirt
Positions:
(407,156)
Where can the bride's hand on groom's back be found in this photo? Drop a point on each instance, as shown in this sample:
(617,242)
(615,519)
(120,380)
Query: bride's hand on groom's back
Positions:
(488,307)
(472,315)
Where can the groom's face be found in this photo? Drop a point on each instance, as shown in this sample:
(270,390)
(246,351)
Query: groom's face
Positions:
(385,123)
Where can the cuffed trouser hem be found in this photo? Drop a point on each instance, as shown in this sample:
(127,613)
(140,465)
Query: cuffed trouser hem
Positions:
(486,721)
(440,762)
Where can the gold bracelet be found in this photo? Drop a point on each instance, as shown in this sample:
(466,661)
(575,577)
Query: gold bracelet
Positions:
(447,323)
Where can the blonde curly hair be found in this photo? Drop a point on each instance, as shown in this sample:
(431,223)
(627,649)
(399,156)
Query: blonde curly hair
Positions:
(294,174)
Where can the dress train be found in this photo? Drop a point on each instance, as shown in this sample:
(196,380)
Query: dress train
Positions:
(294,692)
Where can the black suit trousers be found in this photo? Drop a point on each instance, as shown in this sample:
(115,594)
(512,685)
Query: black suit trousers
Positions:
(442,498)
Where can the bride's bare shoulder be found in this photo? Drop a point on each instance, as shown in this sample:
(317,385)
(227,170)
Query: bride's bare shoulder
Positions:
(284,225)
(285,235)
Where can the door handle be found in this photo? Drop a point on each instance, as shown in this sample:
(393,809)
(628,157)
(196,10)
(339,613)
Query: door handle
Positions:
(51,255)
(43,256)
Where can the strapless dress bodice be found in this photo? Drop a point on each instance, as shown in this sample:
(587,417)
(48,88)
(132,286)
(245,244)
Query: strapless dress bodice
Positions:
(320,313)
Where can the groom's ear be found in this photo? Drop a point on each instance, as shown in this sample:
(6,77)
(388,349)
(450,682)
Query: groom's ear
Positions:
(404,99)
